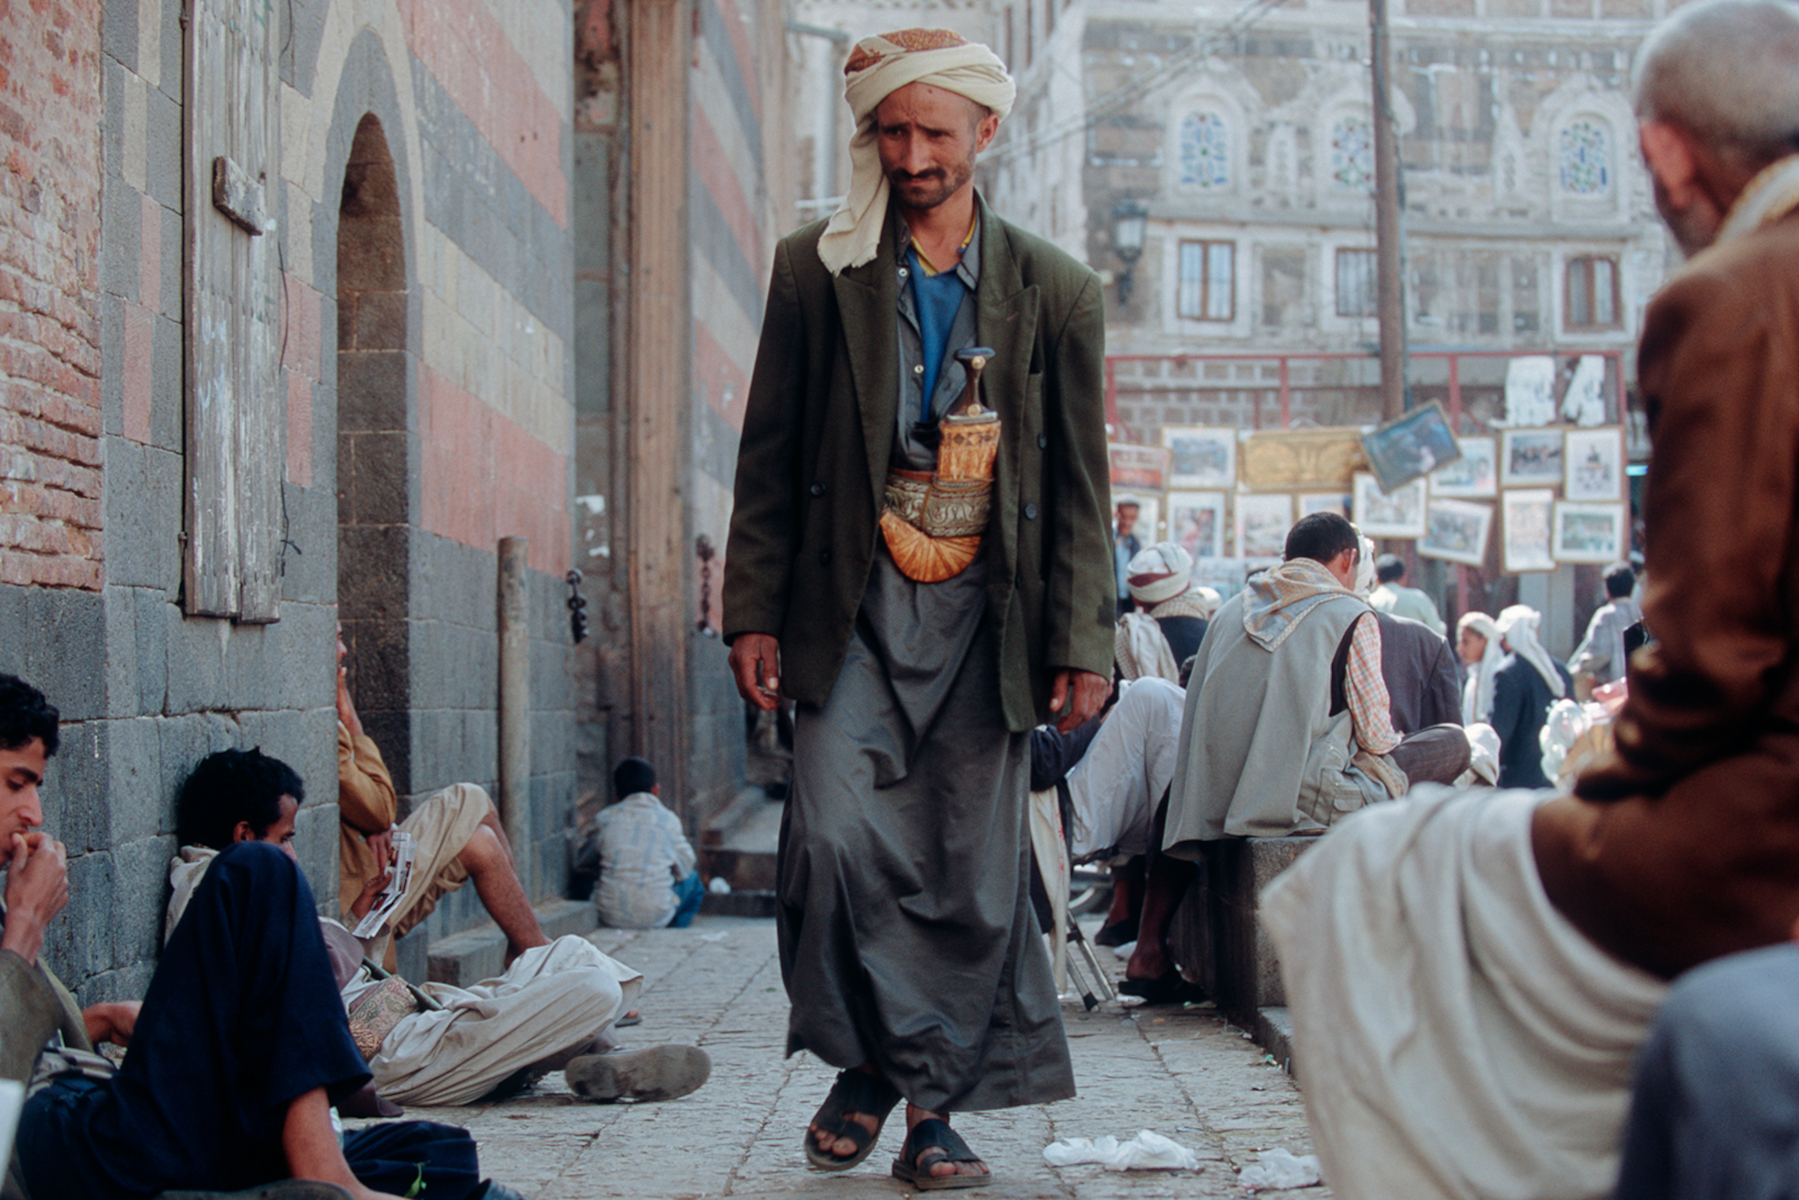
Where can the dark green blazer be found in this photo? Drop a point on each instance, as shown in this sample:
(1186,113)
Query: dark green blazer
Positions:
(818,433)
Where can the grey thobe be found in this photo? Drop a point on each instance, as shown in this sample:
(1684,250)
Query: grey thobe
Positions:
(906,933)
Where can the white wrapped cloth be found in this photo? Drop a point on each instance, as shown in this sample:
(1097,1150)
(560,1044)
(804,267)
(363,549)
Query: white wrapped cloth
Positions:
(1457,1037)
(878,67)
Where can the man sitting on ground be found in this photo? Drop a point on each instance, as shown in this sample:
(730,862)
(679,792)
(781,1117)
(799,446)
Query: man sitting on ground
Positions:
(236,1053)
(1287,725)
(647,880)
(553,1008)
(457,836)
(1170,617)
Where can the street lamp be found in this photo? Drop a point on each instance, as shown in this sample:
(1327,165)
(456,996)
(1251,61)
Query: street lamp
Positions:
(1128,220)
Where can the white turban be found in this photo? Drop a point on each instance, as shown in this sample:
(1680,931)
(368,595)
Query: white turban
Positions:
(1518,626)
(1477,696)
(1159,572)
(878,67)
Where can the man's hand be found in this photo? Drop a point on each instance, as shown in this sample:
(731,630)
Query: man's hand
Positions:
(381,845)
(365,899)
(1083,700)
(346,707)
(37,887)
(756,663)
(111,1022)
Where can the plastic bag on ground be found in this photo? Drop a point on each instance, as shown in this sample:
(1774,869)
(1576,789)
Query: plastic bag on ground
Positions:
(1278,1170)
(1148,1151)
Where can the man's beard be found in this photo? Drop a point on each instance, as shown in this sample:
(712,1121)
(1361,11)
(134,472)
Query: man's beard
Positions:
(931,188)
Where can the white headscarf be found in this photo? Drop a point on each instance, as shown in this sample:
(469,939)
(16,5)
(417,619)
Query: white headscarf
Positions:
(1518,626)
(1477,697)
(1159,572)
(878,67)
(1364,568)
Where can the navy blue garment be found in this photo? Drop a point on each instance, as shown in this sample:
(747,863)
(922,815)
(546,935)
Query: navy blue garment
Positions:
(1521,701)
(414,1158)
(935,299)
(1714,1113)
(242,1017)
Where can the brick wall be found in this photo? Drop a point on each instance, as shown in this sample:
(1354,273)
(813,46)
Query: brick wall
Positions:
(50,460)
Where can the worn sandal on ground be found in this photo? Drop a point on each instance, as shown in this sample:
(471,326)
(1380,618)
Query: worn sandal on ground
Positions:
(914,1167)
(659,1073)
(853,1092)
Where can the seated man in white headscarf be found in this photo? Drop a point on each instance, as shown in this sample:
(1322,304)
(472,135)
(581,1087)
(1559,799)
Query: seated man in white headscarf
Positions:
(926,588)
(1524,687)
(1170,618)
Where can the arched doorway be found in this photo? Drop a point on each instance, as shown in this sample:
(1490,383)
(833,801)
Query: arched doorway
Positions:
(375,447)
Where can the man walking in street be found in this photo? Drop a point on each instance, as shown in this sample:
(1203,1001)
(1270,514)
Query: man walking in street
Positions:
(908,945)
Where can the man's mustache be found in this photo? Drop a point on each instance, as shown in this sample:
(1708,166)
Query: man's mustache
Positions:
(908,176)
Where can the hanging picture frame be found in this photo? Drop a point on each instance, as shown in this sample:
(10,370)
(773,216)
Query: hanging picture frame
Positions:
(1526,517)
(1398,514)
(1473,476)
(1201,456)
(1593,464)
(1263,520)
(1456,530)
(1196,523)
(1588,533)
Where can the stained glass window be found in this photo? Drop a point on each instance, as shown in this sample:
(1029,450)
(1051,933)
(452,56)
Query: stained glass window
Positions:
(1586,159)
(1205,151)
(1352,154)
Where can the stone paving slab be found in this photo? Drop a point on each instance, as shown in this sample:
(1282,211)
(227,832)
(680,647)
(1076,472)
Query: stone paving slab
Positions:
(1186,1074)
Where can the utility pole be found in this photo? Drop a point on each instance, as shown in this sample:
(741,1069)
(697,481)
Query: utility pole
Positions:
(1388,240)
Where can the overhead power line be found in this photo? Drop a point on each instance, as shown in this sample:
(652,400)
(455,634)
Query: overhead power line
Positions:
(1239,23)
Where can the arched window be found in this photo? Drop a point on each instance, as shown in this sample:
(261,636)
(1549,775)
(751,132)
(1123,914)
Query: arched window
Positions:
(1205,151)
(1586,158)
(1352,154)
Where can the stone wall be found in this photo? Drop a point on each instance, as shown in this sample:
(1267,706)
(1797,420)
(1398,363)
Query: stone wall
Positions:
(425,378)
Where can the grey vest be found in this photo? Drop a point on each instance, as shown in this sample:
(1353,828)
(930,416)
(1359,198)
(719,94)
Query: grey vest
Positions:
(1261,753)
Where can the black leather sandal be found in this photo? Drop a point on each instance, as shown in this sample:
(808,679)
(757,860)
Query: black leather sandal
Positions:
(855,1092)
(913,1167)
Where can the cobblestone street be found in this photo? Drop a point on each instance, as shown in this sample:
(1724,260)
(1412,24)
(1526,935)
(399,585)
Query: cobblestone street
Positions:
(1188,1075)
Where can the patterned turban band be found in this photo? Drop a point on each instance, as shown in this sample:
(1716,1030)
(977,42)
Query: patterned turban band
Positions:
(878,67)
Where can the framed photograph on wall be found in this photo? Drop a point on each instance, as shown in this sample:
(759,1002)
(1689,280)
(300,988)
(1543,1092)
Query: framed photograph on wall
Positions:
(1410,447)
(1531,457)
(1262,524)
(1456,530)
(1525,514)
(1138,469)
(1201,456)
(1196,523)
(1341,503)
(1398,514)
(1473,476)
(1594,464)
(1589,533)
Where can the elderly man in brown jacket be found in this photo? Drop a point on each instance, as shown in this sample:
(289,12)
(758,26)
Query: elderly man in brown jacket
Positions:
(1471,976)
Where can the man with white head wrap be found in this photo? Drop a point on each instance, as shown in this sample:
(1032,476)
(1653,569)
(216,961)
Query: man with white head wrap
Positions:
(1170,617)
(1527,682)
(907,939)
(1477,642)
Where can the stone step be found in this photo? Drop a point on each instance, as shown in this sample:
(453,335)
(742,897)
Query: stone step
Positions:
(750,902)
(741,841)
(480,953)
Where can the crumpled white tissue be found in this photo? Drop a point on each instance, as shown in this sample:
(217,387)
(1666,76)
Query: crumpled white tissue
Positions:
(1148,1151)
(1278,1170)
